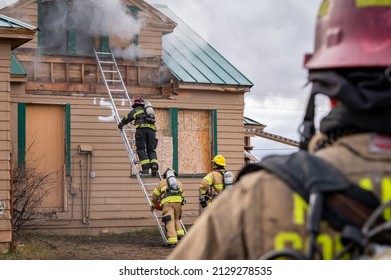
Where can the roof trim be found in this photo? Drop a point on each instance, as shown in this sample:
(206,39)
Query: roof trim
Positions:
(14,23)
(16,67)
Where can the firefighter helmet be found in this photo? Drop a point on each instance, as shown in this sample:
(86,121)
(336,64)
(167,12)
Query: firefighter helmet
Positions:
(219,160)
(138,101)
(352,33)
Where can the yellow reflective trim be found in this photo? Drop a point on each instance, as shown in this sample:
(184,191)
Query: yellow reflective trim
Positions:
(219,186)
(339,247)
(300,207)
(324,8)
(145,161)
(209,179)
(138,113)
(156,191)
(172,240)
(366,184)
(152,126)
(282,238)
(327,245)
(154,161)
(180,232)
(176,198)
(386,196)
(372,3)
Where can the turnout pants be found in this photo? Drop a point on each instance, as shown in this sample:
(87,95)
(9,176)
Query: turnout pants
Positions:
(172,212)
(146,144)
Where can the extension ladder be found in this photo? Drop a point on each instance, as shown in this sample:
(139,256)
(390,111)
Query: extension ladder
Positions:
(116,89)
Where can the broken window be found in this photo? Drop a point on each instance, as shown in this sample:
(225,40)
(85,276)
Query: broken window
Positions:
(75,27)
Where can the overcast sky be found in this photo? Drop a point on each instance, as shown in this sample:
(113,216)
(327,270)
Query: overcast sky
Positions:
(266,41)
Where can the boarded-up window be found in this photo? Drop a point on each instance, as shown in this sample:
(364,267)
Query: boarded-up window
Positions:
(194,141)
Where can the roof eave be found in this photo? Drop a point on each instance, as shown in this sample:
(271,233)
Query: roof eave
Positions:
(214,87)
(16,36)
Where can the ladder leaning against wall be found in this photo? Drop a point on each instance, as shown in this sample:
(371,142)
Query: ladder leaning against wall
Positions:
(118,94)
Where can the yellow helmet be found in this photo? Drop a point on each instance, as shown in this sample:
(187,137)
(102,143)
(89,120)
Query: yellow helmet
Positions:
(219,160)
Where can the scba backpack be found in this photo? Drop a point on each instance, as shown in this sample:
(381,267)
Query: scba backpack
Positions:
(149,112)
(228,180)
(172,184)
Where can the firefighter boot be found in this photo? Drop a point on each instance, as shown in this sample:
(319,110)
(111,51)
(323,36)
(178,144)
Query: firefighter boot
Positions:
(154,170)
(144,172)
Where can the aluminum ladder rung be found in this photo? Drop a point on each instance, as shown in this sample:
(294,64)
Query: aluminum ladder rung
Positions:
(116,90)
(149,184)
(103,53)
(109,71)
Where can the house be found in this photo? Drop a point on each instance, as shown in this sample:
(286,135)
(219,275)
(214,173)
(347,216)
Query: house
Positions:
(61,120)
(13,33)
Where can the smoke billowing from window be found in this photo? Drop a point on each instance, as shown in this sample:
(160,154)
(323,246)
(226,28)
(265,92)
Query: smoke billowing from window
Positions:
(104,18)
(90,19)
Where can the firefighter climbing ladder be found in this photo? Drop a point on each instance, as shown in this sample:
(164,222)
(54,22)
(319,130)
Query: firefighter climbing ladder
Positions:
(116,89)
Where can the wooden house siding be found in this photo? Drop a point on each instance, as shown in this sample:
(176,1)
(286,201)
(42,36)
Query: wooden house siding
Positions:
(194,122)
(116,201)
(5,148)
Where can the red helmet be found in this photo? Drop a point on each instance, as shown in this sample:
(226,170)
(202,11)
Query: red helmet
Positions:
(138,101)
(352,33)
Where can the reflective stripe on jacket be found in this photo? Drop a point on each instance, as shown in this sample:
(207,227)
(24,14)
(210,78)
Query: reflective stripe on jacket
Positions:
(214,182)
(160,191)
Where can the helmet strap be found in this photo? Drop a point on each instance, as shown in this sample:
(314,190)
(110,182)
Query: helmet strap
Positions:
(307,128)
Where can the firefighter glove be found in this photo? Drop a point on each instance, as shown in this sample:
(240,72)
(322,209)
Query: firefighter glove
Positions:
(120,125)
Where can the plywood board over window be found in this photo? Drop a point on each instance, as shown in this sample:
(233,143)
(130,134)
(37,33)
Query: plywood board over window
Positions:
(194,138)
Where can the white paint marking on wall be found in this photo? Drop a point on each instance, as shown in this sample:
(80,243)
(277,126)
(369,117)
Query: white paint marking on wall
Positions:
(107,104)
(2,208)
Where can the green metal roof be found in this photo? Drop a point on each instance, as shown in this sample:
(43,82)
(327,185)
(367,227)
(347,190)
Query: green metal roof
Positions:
(13,23)
(191,59)
(248,121)
(16,67)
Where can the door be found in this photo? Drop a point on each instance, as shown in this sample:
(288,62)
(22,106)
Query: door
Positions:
(45,144)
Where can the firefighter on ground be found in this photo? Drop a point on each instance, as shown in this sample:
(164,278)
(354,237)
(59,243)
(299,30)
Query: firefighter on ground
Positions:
(215,182)
(343,168)
(146,141)
(170,197)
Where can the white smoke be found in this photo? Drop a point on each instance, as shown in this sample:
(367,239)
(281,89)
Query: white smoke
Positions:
(105,18)
(5,3)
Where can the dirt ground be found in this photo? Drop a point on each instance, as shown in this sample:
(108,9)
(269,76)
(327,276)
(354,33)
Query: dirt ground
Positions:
(132,246)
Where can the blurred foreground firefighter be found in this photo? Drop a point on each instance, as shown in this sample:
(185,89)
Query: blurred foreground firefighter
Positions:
(341,175)
(169,197)
(146,142)
(215,181)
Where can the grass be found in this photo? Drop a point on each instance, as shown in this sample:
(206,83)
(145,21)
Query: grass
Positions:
(31,246)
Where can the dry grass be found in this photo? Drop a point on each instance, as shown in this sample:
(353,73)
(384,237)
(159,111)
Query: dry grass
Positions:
(138,245)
